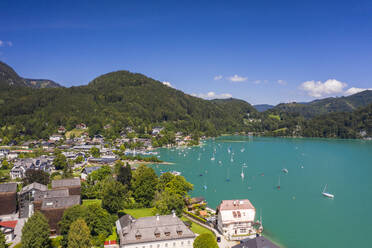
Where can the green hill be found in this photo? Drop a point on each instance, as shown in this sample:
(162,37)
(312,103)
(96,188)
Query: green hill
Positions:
(328,105)
(120,99)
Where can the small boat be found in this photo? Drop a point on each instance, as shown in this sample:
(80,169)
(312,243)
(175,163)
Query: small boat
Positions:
(242,174)
(213,158)
(242,150)
(205,187)
(285,170)
(278,187)
(200,175)
(326,194)
(176,173)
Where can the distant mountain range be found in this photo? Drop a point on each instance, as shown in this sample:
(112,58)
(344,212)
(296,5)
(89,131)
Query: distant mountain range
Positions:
(328,105)
(263,107)
(9,77)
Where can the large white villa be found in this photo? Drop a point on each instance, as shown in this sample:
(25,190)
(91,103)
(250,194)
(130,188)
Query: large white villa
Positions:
(236,218)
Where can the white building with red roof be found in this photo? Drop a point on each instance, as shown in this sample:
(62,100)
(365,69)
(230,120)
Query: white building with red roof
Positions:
(7,227)
(236,218)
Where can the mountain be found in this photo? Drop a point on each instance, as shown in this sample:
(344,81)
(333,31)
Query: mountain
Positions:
(328,105)
(263,107)
(120,99)
(8,77)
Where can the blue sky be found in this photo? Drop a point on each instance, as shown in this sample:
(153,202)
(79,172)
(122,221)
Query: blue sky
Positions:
(259,51)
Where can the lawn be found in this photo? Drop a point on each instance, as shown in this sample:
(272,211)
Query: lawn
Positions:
(196,228)
(88,202)
(140,212)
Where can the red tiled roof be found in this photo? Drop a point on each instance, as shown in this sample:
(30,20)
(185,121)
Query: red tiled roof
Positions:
(235,205)
(110,242)
(9,224)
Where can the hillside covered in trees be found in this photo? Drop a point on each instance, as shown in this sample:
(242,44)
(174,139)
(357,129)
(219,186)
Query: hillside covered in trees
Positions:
(124,99)
(328,105)
(120,99)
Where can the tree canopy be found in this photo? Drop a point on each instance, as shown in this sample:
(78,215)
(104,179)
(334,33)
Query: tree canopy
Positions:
(79,235)
(35,232)
(205,240)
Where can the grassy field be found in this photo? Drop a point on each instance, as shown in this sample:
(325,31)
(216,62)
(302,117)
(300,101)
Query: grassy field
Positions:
(87,202)
(76,132)
(280,130)
(276,117)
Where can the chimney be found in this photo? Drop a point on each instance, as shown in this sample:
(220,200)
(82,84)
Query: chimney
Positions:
(173,213)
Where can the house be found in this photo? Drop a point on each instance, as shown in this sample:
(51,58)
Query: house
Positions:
(81,126)
(157,130)
(154,231)
(235,219)
(20,167)
(98,139)
(7,227)
(72,184)
(17,171)
(258,242)
(53,209)
(56,137)
(8,198)
(87,170)
(26,198)
(12,155)
(61,129)
(106,160)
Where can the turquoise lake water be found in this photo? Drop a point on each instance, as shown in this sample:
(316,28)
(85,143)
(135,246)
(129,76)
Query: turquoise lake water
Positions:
(296,215)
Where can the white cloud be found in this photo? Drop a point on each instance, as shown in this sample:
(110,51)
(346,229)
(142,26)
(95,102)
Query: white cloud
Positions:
(218,77)
(320,89)
(168,84)
(213,95)
(354,90)
(237,78)
(5,43)
(282,82)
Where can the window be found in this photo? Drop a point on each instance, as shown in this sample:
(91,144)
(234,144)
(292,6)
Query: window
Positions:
(188,242)
(181,242)
(234,214)
(167,233)
(174,243)
(166,244)
(243,230)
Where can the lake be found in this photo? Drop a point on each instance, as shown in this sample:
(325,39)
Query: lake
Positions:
(297,215)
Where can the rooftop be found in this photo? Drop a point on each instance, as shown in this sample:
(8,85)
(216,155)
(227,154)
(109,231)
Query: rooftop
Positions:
(60,202)
(51,193)
(69,182)
(235,205)
(35,185)
(258,242)
(153,228)
(8,187)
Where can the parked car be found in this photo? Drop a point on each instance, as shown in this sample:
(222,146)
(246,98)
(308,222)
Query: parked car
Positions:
(218,239)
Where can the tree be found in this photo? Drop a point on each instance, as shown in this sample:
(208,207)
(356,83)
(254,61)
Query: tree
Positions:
(35,232)
(169,201)
(5,165)
(60,162)
(164,179)
(98,220)
(125,175)
(114,196)
(79,235)
(99,175)
(95,152)
(37,176)
(2,240)
(179,185)
(205,240)
(144,185)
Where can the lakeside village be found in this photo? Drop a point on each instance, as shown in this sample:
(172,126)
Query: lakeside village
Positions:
(81,191)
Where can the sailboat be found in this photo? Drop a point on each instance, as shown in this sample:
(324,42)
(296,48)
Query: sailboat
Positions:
(242,174)
(326,194)
(278,187)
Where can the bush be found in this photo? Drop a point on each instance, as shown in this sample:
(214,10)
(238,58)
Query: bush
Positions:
(195,216)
